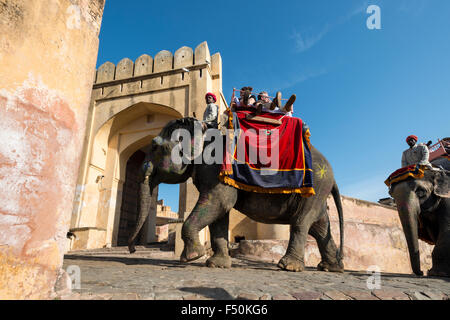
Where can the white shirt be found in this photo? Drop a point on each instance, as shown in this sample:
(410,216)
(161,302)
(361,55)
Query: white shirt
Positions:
(211,114)
(418,154)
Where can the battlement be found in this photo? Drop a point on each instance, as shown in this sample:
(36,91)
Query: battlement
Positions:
(178,81)
(163,62)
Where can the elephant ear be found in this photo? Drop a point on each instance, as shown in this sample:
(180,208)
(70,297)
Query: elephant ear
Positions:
(442,184)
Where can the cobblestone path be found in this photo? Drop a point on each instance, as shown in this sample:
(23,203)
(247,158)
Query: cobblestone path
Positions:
(157,275)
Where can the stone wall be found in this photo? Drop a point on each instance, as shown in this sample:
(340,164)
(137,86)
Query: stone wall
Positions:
(48,51)
(178,80)
(165,212)
(373,237)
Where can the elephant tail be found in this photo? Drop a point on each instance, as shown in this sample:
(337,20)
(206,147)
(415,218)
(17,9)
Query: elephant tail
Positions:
(337,201)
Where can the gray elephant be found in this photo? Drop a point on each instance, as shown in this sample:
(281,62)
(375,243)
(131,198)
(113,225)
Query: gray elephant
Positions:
(424,209)
(304,215)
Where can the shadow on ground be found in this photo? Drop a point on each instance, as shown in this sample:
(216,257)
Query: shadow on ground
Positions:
(240,263)
(211,293)
(133,261)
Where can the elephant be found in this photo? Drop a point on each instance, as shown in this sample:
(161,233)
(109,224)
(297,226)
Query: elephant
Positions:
(423,206)
(305,215)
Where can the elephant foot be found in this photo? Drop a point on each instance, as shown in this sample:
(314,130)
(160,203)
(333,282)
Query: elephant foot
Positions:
(193,252)
(434,272)
(219,261)
(290,263)
(418,273)
(330,267)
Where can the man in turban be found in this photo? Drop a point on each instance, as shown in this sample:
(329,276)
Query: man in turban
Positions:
(417,153)
(211,112)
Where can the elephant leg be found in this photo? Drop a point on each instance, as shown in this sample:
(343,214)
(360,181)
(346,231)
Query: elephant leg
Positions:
(294,259)
(219,243)
(440,261)
(440,256)
(206,211)
(320,230)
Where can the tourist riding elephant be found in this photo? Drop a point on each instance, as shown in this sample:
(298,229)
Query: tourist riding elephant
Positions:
(304,215)
(424,209)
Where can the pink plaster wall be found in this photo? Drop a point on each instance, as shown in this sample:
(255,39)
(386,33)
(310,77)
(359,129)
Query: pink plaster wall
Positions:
(47,64)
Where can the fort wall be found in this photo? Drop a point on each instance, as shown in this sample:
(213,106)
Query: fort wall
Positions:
(48,51)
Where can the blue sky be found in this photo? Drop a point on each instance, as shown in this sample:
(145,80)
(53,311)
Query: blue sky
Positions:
(361,91)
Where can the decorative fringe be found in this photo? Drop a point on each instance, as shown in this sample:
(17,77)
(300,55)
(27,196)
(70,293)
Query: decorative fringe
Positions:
(304,191)
(307,138)
(230,118)
(418,173)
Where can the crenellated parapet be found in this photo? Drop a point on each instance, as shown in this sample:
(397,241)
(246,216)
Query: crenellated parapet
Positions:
(165,79)
(163,62)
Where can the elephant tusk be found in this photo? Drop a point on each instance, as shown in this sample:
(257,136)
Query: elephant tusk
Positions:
(158,140)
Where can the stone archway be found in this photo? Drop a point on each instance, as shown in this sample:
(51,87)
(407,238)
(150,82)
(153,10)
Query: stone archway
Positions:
(97,215)
(130,104)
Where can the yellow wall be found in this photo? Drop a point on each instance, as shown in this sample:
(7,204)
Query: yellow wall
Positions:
(48,51)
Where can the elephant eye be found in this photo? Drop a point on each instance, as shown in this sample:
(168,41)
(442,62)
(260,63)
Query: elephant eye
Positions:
(421,193)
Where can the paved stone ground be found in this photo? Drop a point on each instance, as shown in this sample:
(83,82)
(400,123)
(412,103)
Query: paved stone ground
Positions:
(153,274)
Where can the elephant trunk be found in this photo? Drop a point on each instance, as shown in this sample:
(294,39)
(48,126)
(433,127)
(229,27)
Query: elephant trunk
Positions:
(409,212)
(145,197)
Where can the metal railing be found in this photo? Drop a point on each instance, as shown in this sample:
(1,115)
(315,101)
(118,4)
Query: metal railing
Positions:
(439,149)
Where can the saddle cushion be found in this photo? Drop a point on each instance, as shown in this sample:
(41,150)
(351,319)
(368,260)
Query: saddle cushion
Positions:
(412,171)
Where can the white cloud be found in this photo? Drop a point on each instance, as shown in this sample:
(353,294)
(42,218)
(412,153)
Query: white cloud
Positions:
(305,41)
(302,77)
(361,9)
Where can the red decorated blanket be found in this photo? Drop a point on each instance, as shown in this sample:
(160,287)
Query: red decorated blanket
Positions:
(412,171)
(268,157)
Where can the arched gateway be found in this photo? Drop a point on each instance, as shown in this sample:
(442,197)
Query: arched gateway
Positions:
(130,104)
